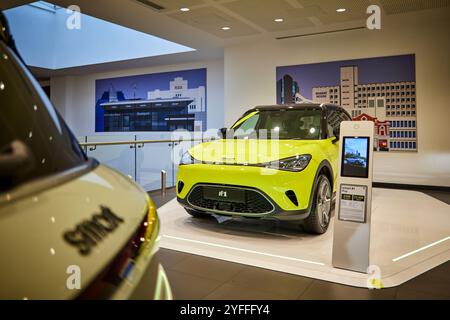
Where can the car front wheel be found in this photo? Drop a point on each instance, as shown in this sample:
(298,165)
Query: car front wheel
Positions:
(319,217)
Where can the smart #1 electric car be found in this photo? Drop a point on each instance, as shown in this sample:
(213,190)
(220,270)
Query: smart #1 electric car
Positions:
(69,226)
(276,162)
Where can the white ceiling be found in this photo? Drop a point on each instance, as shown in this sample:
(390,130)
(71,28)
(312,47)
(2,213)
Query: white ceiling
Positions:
(256,17)
(200,28)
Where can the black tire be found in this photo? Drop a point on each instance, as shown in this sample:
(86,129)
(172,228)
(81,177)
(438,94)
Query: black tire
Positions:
(320,215)
(196,214)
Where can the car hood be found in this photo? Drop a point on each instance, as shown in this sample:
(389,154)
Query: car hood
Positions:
(250,151)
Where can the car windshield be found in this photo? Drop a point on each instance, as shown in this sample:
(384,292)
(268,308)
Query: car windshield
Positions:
(34,140)
(301,124)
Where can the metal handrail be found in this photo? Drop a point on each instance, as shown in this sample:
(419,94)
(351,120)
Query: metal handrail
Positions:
(107,143)
(135,142)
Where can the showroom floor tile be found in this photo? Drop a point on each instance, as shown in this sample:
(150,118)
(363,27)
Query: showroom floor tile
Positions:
(238,292)
(322,290)
(171,258)
(276,283)
(440,195)
(213,269)
(161,200)
(252,283)
(430,283)
(408,294)
(218,279)
(186,286)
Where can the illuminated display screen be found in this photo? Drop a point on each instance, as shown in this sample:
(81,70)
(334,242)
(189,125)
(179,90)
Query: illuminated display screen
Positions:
(355,157)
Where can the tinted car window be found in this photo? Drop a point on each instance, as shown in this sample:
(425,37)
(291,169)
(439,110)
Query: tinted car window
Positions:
(345,116)
(334,119)
(287,124)
(34,140)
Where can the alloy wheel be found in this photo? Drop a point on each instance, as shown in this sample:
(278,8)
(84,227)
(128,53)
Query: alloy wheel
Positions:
(324,202)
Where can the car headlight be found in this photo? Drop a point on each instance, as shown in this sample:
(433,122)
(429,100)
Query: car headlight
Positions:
(187,158)
(149,230)
(295,164)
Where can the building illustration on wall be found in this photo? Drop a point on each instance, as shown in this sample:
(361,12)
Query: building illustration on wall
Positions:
(382,90)
(288,89)
(171,103)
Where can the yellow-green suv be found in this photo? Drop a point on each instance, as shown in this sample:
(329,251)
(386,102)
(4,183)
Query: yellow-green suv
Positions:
(276,162)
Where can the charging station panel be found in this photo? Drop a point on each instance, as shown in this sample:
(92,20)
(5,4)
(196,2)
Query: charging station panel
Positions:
(351,238)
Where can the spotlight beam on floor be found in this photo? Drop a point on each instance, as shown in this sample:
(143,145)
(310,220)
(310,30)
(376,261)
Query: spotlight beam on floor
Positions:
(244,250)
(420,249)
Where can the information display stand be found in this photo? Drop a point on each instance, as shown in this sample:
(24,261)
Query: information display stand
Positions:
(351,242)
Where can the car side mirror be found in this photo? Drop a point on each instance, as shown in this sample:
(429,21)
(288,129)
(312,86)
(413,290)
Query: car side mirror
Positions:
(223,133)
(336,133)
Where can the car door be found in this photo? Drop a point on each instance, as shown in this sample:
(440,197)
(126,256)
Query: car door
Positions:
(334,120)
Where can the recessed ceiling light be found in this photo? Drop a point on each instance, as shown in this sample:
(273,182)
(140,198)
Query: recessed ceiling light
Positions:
(279,20)
(226,28)
(341,10)
(184,9)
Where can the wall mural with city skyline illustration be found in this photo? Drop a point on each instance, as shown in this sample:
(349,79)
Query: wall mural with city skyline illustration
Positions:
(152,102)
(382,90)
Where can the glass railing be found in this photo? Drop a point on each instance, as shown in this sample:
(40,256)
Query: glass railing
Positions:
(143,156)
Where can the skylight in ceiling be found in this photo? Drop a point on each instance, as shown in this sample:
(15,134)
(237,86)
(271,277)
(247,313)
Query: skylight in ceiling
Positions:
(46,39)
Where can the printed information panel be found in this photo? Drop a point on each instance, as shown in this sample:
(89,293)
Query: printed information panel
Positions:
(352,205)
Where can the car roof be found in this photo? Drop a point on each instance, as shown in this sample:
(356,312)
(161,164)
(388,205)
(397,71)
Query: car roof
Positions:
(296,106)
(6,37)
(4,28)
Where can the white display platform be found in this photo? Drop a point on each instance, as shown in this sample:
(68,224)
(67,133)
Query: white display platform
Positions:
(410,235)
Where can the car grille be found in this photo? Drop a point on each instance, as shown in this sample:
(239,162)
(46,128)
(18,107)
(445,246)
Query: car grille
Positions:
(255,202)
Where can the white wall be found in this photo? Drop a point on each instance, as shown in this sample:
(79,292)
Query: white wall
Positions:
(250,80)
(74,96)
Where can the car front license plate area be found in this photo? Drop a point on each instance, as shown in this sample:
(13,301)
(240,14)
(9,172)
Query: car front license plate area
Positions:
(224,194)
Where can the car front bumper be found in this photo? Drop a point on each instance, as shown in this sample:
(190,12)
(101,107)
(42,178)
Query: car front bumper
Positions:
(271,183)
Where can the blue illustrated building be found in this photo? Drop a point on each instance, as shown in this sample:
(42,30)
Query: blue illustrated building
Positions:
(180,107)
